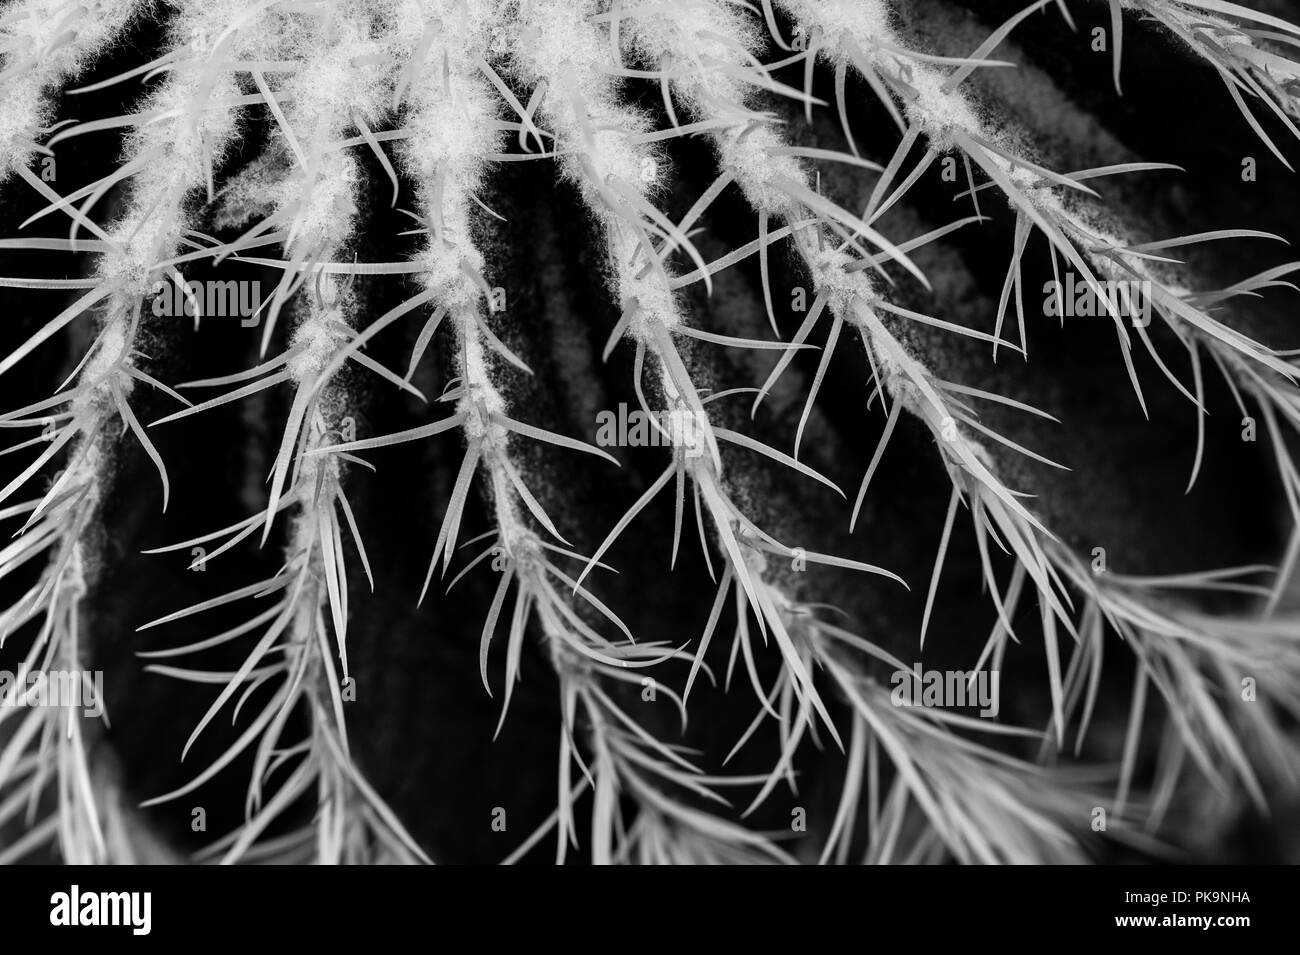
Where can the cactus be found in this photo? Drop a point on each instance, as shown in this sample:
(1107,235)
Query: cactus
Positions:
(648,431)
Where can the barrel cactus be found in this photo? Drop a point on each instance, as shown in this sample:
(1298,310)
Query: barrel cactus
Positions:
(648,431)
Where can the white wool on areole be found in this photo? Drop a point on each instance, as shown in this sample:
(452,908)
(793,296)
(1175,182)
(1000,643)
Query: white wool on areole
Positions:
(57,40)
(451,130)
